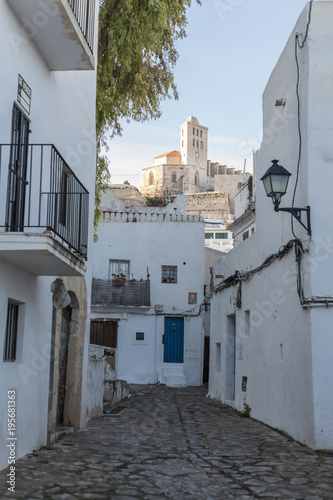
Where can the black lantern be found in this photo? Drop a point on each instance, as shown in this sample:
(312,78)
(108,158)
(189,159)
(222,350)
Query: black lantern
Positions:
(275,182)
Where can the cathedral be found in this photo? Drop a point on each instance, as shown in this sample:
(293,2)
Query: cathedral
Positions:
(184,171)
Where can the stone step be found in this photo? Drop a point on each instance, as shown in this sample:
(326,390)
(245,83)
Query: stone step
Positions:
(174,376)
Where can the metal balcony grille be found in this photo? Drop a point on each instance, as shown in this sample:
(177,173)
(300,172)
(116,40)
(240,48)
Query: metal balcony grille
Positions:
(39,191)
(132,293)
(84,12)
(104,333)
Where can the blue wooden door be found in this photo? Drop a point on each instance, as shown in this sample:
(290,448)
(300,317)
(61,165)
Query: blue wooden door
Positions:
(173,340)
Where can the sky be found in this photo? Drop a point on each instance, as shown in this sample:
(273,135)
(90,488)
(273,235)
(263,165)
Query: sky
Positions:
(223,67)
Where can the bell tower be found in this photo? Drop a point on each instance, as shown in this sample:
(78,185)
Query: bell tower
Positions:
(193,143)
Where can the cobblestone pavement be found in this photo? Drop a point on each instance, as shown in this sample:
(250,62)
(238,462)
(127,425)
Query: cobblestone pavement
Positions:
(177,444)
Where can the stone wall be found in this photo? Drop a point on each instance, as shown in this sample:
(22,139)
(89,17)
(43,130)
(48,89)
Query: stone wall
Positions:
(209,205)
(229,183)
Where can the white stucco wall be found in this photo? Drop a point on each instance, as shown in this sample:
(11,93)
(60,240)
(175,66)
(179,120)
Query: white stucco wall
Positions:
(151,245)
(62,113)
(29,374)
(285,352)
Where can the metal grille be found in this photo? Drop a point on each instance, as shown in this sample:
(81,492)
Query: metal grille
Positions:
(11,332)
(104,333)
(118,267)
(169,274)
(173,340)
(84,12)
(132,293)
(51,196)
(17,181)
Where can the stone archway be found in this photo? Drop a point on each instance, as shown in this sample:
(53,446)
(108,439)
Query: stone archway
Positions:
(70,327)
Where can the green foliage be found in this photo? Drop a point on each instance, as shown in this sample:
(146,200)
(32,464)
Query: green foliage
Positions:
(246,413)
(136,58)
(250,188)
(102,180)
(154,201)
(137,55)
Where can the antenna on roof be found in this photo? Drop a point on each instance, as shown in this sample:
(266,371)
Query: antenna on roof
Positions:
(244,170)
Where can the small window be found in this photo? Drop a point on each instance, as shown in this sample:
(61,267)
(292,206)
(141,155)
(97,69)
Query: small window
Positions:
(200,133)
(169,274)
(221,236)
(182,131)
(197,132)
(201,145)
(174,176)
(218,357)
(209,235)
(197,144)
(240,184)
(196,179)
(151,178)
(193,142)
(182,144)
(11,332)
(119,268)
(193,131)
(140,336)
(245,235)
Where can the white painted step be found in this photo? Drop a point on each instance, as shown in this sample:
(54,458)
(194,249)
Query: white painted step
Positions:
(174,376)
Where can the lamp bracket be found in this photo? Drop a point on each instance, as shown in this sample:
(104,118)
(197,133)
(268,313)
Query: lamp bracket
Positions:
(297,213)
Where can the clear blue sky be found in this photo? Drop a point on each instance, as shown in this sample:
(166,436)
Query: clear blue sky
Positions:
(223,67)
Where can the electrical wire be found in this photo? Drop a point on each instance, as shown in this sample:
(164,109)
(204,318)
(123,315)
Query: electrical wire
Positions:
(299,45)
(238,276)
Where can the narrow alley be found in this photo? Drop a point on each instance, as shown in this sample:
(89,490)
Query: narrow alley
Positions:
(173,443)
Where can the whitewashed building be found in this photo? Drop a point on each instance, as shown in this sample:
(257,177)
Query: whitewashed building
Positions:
(271,318)
(148,278)
(47,170)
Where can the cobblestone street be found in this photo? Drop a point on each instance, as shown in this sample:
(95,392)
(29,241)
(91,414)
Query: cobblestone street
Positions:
(177,444)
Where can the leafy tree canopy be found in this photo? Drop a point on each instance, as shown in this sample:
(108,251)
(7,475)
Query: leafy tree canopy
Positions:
(136,58)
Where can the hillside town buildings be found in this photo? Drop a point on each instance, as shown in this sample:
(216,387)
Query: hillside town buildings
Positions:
(148,281)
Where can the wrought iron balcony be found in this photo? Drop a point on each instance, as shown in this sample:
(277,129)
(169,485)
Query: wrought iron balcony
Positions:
(84,12)
(62,30)
(40,194)
(133,293)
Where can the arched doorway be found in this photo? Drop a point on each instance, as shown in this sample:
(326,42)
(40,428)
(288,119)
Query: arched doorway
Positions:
(69,329)
(64,334)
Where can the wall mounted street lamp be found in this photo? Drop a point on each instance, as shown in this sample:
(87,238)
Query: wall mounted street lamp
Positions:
(275,182)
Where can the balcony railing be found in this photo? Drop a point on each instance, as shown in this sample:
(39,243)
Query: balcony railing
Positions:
(39,192)
(84,12)
(132,293)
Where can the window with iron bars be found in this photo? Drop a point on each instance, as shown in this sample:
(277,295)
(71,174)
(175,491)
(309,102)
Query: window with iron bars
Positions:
(119,268)
(169,274)
(11,332)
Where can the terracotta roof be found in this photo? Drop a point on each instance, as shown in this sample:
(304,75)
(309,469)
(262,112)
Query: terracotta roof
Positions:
(170,153)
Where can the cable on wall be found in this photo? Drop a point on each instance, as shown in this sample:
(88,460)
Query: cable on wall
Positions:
(297,46)
(238,277)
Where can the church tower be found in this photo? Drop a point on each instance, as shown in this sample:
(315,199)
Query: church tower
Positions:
(193,143)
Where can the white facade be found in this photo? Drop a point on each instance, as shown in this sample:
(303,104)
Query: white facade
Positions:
(146,239)
(50,113)
(244,224)
(218,235)
(271,326)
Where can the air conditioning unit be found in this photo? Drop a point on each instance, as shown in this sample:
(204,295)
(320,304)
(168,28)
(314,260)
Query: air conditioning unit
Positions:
(159,308)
